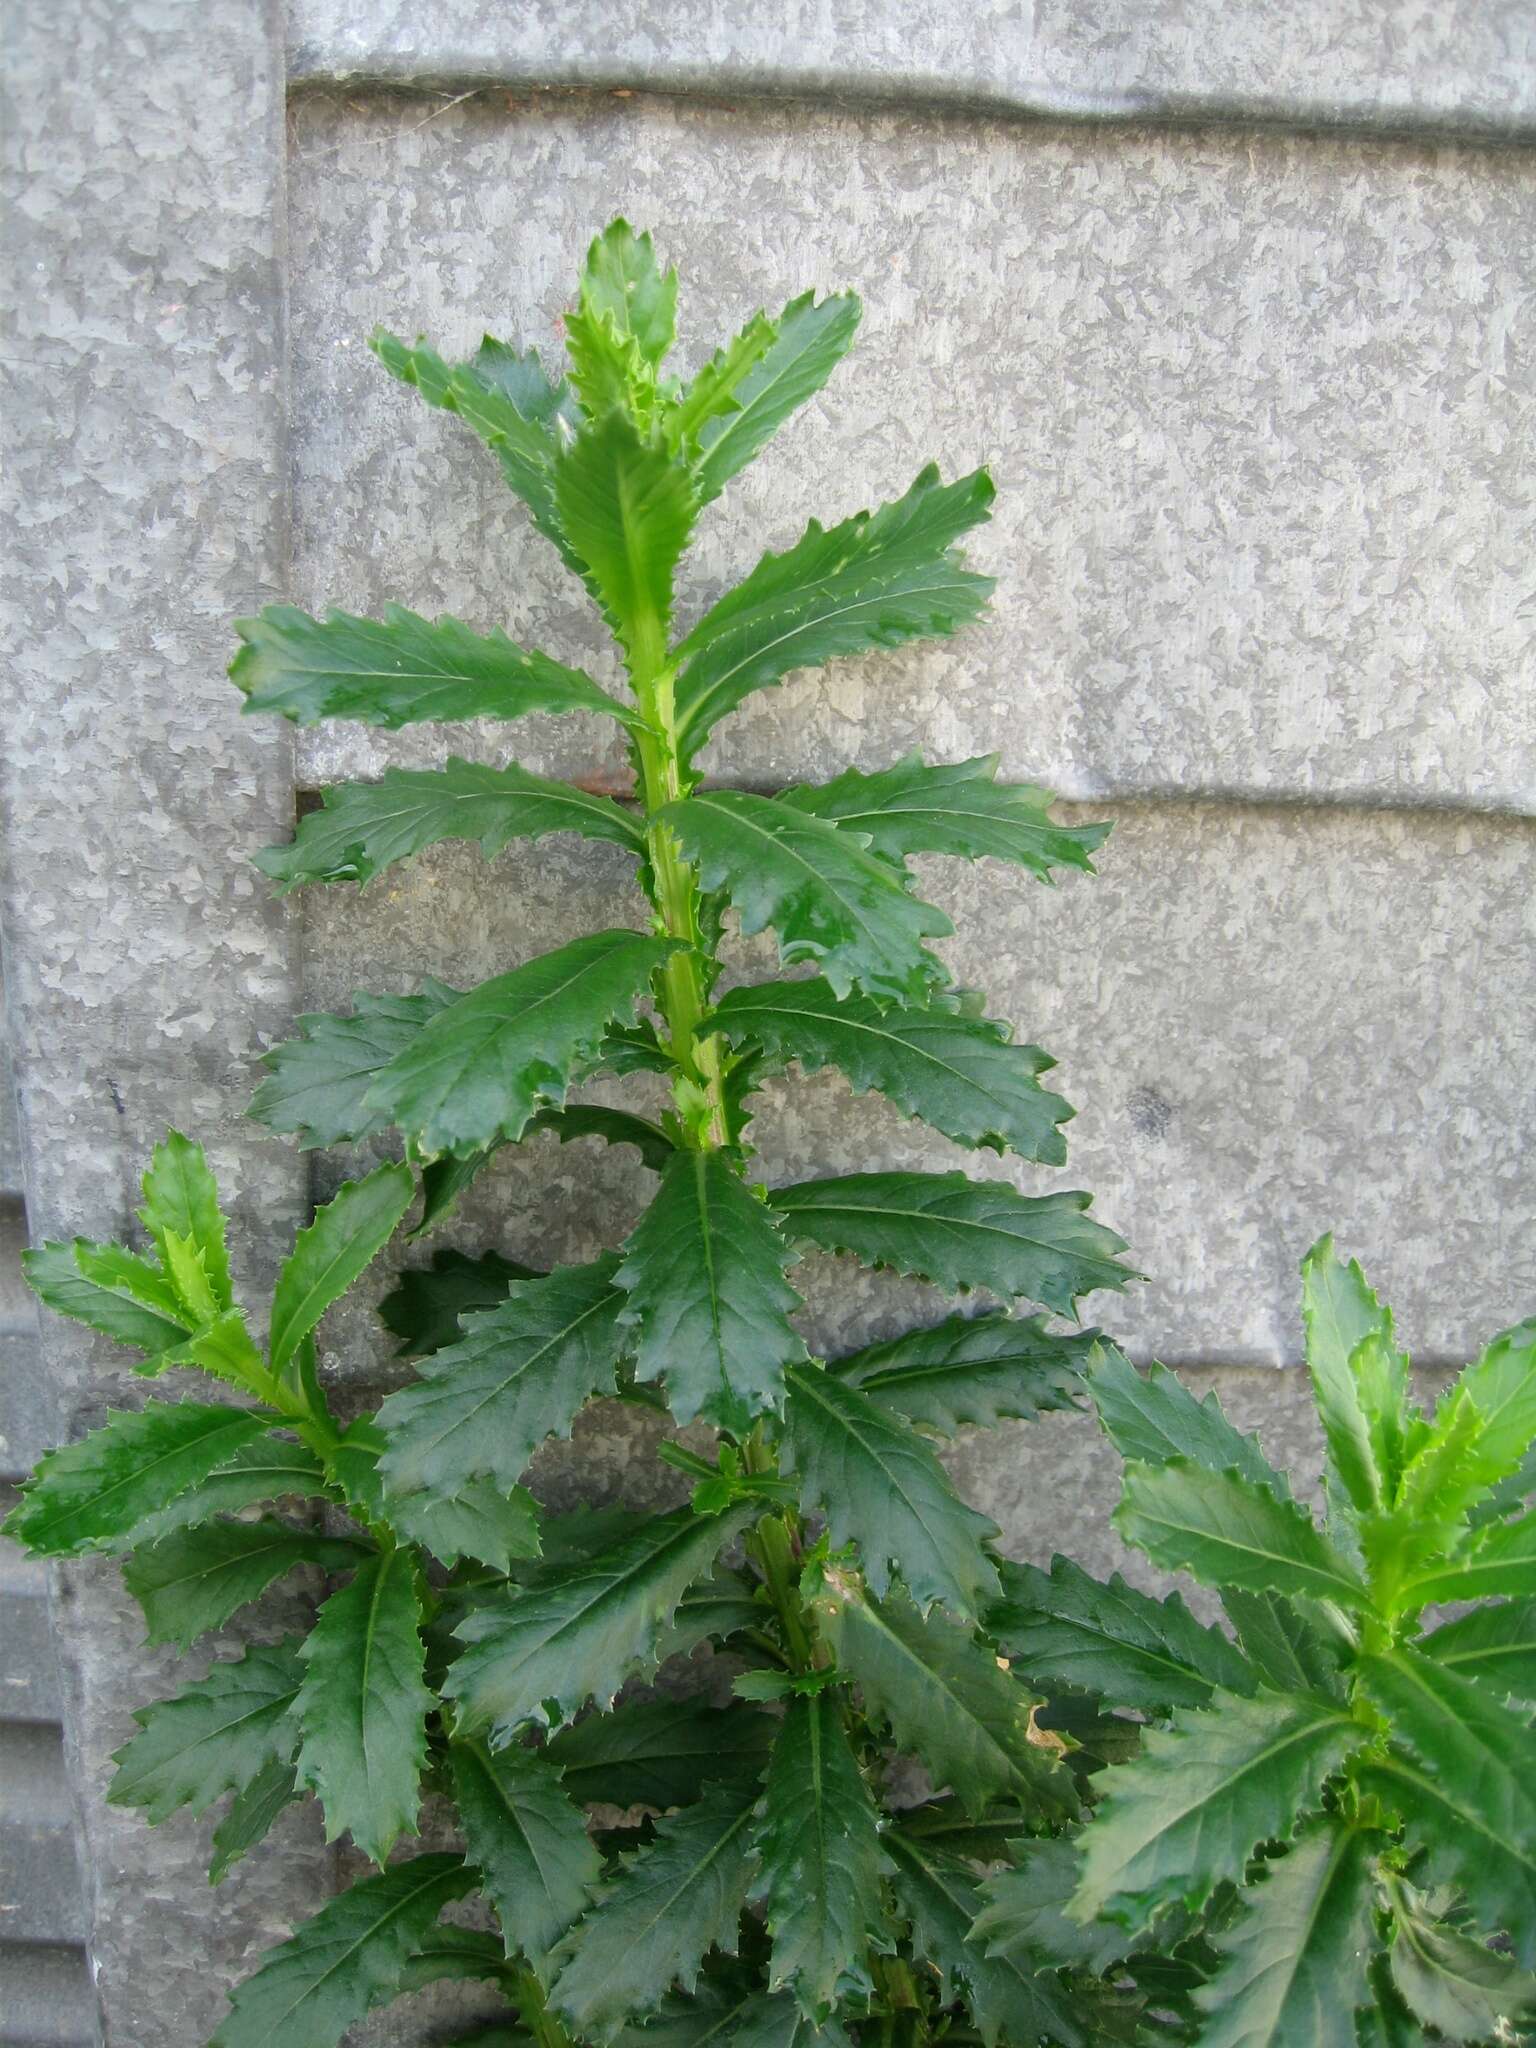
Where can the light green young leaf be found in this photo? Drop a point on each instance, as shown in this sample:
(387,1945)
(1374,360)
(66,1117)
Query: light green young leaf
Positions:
(825,897)
(578,1634)
(1499,1560)
(1339,1311)
(958,1072)
(1065,1628)
(226,1350)
(352,1955)
(959,808)
(877,580)
(1188,1812)
(1501,1385)
(881,1487)
(94,1494)
(344,1239)
(627,509)
(479,1520)
(318,1081)
(960,1233)
(401,670)
(670,1902)
(661,1753)
(363,1706)
(819,1860)
(479,1071)
(809,341)
(251,1814)
(55,1274)
(424,1307)
(712,392)
(1225,1531)
(194,1579)
(189,1280)
(1151,1417)
(972,1371)
(124,1273)
(181,1199)
(1293,1967)
(1453,1984)
(529,1843)
(623,282)
(1494,1645)
(518,1374)
(216,1737)
(703,1274)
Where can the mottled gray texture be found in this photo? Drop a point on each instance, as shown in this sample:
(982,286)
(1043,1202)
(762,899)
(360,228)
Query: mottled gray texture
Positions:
(1259,410)
(1371,63)
(145,963)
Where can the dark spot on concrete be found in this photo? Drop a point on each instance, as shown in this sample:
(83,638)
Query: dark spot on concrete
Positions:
(116,1094)
(1151,1115)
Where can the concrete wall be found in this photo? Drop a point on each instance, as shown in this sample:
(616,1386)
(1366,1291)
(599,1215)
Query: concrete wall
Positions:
(1236,300)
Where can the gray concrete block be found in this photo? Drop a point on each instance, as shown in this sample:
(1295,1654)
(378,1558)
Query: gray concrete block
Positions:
(40,1896)
(29,1423)
(18,1309)
(29,1680)
(49,2001)
(1363,62)
(1254,406)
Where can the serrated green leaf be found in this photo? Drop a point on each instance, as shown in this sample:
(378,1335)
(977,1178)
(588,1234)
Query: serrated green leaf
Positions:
(267,1468)
(479,1520)
(119,1271)
(627,509)
(623,282)
(711,393)
(578,1636)
(518,1374)
(1066,1628)
(318,1081)
(1453,1984)
(455,1953)
(189,1280)
(1495,1645)
(251,1814)
(881,1487)
(960,1233)
(1151,1417)
(651,1927)
(443,1181)
(945,1698)
(344,1239)
(1225,1531)
(1284,1645)
(54,1273)
(425,1305)
(613,1126)
(661,1753)
(1187,1813)
(401,670)
(478,1072)
(225,1349)
(215,1737)
(824,896)
(1500,1559)
(1462,1770)
(194,1579)
(94,1494)
(809,342)
(363,1706)
(349,1957)
(1339,1311)
(366,827)
(1022,1917)
(819,1860)
(181,1199)
(703,1275)
(1294,1967)
(877,580)
(959,1073)
(1501,1386)
(528,1842)
(959,808)
(972,1370)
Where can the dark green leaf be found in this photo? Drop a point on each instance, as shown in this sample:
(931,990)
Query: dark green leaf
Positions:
(960,1233)
(479,1071)
(704,1274)
(1500,1559)
(669,1903)
(1284,1645)
(264,1469)
(455,1953)
(878,580)
(216,1737)
(881,1487)
(1023,1920)
(819,1859)
(1340,1311)
(363,1706)
(1495,1645)
(627,509)
(479,1520)
(972,1370)
(344,1239)
(181,1201)
(579,1636)
(194,1579)
(352,1955)
(613,1126)
(1453,1984)
(251,1814)
(661,1753)
(1188,1812)
(1225,1531)
(958,1072)
(1065,1628)
(945,1698)
(960,809)
(94,1494)
(425,1304)
(1293,1967)
(403,670)
(366,827)
(518,1374)
(529,1843)
(54,1274)
(825,897)
(319,1080)
(809,341)
(1151,1417)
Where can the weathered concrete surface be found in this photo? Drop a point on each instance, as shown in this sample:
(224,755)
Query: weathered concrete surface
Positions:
(145,963)
(1259,410)
(1368,63)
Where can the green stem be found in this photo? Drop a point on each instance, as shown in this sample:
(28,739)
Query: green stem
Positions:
(535,2013)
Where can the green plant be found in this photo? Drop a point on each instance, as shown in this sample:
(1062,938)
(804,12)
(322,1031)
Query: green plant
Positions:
(1336,1814)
